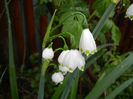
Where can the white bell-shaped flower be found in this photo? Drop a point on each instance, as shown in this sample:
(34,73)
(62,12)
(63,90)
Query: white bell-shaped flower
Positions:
(63,69)
(74,59)
(129,12)
(58,77)
(81,63)
(61,57)
(48,53)
(87,43)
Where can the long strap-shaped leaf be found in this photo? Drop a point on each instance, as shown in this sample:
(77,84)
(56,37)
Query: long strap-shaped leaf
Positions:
(100,24)
(120,88)
(107,80)
(45,63)
(12,74)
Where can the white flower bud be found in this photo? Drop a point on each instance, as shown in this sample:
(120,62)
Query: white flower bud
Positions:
(63,69)
(48,53)
(87,43)
(57,77)
(129,12)
(61,57)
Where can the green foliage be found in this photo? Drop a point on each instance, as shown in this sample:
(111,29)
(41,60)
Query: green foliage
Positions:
(12,72)
(120,88)
(100,6)
(116,34)
(107,79)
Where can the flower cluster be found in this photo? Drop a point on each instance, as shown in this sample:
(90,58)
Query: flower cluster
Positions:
(69,60)
(129,12)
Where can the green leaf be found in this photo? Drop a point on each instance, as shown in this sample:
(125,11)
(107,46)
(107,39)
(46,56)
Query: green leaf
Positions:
(100,6)
(42,78)
(74,87)
(106,28)
(12,72)
(105,81)
(70,82)
(79,6)
(116,35)
(75,29)
(119,89)
(100,24)
(46,37)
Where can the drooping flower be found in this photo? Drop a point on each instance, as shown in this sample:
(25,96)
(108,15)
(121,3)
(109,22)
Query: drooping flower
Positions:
(63,69)
(81,63)
(61,57)
(87,43)
(58,77)
(74,59)
(129,12)
(48,53)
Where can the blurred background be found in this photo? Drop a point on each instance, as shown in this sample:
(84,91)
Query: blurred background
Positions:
(29,23)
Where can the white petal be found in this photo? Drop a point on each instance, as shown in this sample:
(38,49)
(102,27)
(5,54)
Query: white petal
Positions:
(73,60)
(129,12)
(48,53)
(63,69)
(57,77)
(87,43)
(61,57)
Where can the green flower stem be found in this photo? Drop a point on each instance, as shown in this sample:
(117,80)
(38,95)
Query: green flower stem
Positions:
(45,62)
(61,34)
(58,49)
(12,74)
(100,24)
(42,76)
(93,14)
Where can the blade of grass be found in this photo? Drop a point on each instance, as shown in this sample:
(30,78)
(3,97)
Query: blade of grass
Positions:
(45,63)
(2,75)
(74,87)
(105,82)
(100,24)
(12,74)
(119,89)
(69,84)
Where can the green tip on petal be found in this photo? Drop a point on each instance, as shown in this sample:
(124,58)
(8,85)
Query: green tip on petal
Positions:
(93,51)
(81,50)
(87,52)
(70,69)
(61,82)
(82,68)
(62,65)
(63,72)
(131,17)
